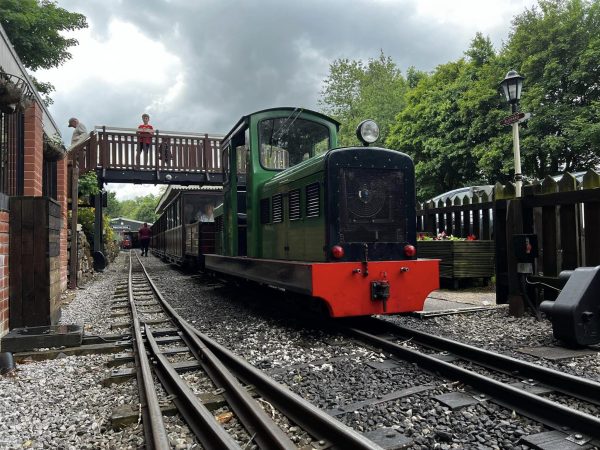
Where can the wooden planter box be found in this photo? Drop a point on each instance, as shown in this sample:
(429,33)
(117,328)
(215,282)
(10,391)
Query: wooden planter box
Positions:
(460,259)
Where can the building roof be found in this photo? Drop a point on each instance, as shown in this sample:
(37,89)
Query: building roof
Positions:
(174,189)
(123,223)
(11,64)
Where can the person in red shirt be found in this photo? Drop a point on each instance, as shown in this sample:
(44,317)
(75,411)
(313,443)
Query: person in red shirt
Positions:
(144,132)
(144,235)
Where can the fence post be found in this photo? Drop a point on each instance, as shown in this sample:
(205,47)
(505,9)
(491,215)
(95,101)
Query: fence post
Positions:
(441,216)
(448,219)
(569,226)
(514,225)
(501,228)
(550,244)
(591,180)
(466,217)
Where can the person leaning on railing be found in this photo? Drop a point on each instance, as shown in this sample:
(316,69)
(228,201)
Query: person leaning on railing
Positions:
(79,133)
(144,132)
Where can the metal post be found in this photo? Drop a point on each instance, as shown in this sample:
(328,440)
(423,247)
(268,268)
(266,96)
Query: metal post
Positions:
(517,152)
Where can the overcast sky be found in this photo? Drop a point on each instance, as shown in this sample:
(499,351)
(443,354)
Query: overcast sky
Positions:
(200,65)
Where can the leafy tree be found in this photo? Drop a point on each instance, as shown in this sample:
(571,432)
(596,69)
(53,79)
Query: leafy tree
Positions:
(446,125)
(141,208)
(113,209)
(88,184)
(557,48)
(355,91)
(34,28)
(146,207)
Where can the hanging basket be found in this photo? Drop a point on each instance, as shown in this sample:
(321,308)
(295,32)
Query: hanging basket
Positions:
(53,151)
(15,94)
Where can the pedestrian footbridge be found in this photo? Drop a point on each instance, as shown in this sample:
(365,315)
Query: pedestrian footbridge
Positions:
(173,157)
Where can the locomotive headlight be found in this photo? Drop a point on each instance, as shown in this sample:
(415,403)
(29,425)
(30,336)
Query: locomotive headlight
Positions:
(367,131)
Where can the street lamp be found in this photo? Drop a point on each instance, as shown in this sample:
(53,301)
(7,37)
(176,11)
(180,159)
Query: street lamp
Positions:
(512,85)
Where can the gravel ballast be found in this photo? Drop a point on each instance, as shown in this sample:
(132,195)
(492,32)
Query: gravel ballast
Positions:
(297,349)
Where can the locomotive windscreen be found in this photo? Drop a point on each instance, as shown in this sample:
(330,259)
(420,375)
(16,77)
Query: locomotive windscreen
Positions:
(372,205)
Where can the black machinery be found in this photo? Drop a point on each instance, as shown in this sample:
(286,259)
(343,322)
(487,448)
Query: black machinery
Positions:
(575,314)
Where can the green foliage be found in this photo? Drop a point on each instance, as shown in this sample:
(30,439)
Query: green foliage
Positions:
(113,209)
(141,208)
(557,48)
(448,120)
(35,28)
(88,185)
(87,218)
(355,91)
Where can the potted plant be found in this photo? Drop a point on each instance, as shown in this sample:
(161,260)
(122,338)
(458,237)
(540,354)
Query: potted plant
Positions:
(14,94)
(53,148)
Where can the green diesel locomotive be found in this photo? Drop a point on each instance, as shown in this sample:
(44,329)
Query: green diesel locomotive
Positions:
(334,224)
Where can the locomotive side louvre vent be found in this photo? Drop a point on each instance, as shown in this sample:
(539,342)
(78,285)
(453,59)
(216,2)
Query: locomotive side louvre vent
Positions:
(294,204)
(313,205)
(265,213)
(277,205)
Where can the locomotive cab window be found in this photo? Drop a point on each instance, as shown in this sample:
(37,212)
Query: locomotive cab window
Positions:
(287,141)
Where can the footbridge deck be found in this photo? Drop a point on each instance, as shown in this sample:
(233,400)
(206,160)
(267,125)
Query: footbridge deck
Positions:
(173,157)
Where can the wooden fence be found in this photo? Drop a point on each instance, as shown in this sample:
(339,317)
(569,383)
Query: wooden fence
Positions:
(563,215)
(458,217)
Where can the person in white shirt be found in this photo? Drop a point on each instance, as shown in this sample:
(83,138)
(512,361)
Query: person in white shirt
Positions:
(79,133)
(207,215)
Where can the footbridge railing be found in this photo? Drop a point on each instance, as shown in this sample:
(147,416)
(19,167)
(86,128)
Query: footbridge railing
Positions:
(111,150)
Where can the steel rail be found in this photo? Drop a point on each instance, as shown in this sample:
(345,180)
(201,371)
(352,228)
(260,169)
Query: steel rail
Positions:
(154,427)
(530,405)
(267,434)
(200,420)
(581,388)
(312,419)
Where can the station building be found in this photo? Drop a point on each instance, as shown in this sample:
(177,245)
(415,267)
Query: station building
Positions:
(33,201)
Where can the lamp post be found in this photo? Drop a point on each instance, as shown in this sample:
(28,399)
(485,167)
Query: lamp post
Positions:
(512,85)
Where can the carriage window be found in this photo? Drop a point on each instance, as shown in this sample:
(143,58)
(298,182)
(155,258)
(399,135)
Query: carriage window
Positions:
(287,141)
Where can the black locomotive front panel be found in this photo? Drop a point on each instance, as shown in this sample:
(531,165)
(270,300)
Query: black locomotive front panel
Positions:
(371,203)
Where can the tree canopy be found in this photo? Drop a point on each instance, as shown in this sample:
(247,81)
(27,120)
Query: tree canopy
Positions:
(34,28)
(355,91)
(448,120)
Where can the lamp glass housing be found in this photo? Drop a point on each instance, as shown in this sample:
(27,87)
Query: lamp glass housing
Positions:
(512,86)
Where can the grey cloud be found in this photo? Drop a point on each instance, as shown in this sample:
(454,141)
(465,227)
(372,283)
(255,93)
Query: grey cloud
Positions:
(241,56)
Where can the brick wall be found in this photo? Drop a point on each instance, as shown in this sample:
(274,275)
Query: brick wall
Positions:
(61,198)
(33,154)
(3,273)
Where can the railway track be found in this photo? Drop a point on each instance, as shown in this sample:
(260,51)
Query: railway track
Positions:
(456,361)
(232,376)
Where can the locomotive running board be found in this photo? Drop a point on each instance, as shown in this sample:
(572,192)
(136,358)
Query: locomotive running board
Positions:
(293,276)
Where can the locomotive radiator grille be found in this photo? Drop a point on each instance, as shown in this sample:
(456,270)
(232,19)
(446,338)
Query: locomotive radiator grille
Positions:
(372,205)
